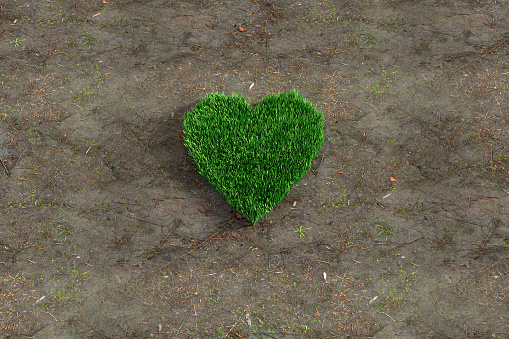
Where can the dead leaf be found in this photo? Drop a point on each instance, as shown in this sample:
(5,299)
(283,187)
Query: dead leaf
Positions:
(241,29)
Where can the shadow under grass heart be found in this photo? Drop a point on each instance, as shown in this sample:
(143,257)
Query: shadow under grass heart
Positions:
(253,156)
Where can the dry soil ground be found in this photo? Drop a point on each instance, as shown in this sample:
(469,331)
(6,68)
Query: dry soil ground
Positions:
(399,230)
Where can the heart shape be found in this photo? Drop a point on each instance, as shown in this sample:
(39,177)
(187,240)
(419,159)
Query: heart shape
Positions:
(253,157)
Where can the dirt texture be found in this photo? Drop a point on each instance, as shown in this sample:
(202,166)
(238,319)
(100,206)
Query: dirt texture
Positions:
(399,230)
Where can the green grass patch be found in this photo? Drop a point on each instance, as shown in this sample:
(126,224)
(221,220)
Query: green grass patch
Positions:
(253,156)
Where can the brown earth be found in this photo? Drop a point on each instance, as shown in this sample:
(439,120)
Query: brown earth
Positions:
(399,230)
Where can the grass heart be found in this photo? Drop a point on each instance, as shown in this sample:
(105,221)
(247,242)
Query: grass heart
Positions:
(253,156)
